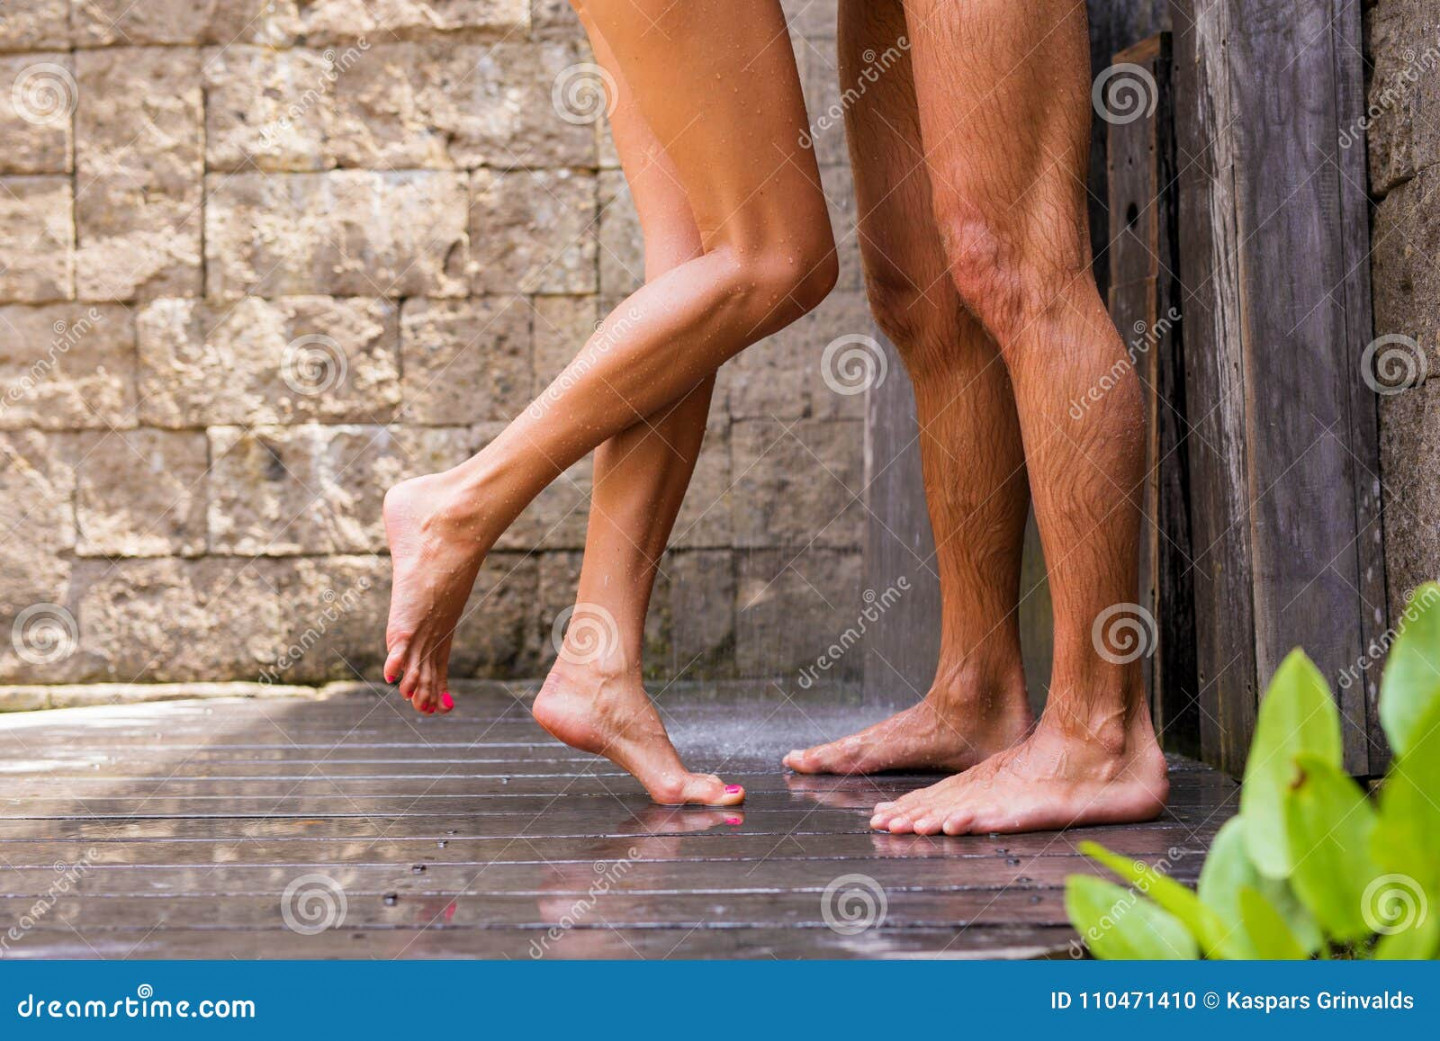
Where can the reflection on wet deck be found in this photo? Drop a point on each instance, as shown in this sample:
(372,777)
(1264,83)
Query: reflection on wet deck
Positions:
(352,828)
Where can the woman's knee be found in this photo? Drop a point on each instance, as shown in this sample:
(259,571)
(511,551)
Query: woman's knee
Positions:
(791,274)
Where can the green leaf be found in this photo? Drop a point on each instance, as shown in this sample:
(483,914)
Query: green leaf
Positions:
(1227,870)
(1120,925)
(1407,838)
(1267,929)
(1330,823)
(1204,924)
(1297,716)
(1420,942)
(1411,684)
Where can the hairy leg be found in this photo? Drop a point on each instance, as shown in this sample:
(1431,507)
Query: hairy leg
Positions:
(595,698)
(716,82)
(970,446)
(1004,94)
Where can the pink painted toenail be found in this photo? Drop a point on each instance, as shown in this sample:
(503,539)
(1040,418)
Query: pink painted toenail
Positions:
(732,789)
(447,701)
(733,820)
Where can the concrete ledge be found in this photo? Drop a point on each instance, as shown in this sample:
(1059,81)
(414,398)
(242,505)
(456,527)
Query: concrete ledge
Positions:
(30,699)
(34,698)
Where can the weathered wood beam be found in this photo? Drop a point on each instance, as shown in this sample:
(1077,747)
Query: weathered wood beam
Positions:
(1283,445)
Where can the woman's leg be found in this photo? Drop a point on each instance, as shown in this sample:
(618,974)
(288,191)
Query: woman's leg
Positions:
(594,697)
(716,82)
(970,450)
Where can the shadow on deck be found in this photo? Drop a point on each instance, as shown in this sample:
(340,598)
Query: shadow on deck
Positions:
(174,830)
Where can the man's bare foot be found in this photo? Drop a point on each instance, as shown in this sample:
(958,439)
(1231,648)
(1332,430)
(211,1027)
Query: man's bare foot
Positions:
(435,558)
(940,733)
(1058,777)
(607,712)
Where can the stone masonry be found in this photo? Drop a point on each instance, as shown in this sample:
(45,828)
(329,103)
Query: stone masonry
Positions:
(260,259)
(1403,129)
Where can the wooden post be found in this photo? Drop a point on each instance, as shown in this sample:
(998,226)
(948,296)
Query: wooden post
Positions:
(1284,463)
(1145,303)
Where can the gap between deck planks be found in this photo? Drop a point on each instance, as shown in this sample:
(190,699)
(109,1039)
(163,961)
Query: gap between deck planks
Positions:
(182,823)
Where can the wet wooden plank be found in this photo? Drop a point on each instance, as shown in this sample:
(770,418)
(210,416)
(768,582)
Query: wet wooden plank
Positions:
(798,910)
(186,842)
(621,944)
(719,844)
(623,873)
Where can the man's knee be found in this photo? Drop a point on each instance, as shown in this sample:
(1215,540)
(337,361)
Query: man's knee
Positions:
(922,321)
(1011,278)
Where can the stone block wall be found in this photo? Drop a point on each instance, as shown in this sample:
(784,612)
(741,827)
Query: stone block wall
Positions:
(1403,132)
(260,259)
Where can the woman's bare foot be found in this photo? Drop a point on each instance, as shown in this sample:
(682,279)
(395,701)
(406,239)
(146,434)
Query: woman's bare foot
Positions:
(1060,776)
(941,733)
(435,557)
(607,712)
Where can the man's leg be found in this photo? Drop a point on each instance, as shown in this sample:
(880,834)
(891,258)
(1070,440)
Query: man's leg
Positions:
(969,435)
(1004,96)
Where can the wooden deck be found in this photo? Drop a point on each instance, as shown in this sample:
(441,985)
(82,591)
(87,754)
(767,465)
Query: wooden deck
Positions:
(174,829)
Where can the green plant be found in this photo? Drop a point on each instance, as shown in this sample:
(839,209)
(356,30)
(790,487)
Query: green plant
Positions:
(1311,866)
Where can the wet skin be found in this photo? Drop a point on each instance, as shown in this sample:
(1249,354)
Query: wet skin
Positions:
(738,245)
(970,157)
